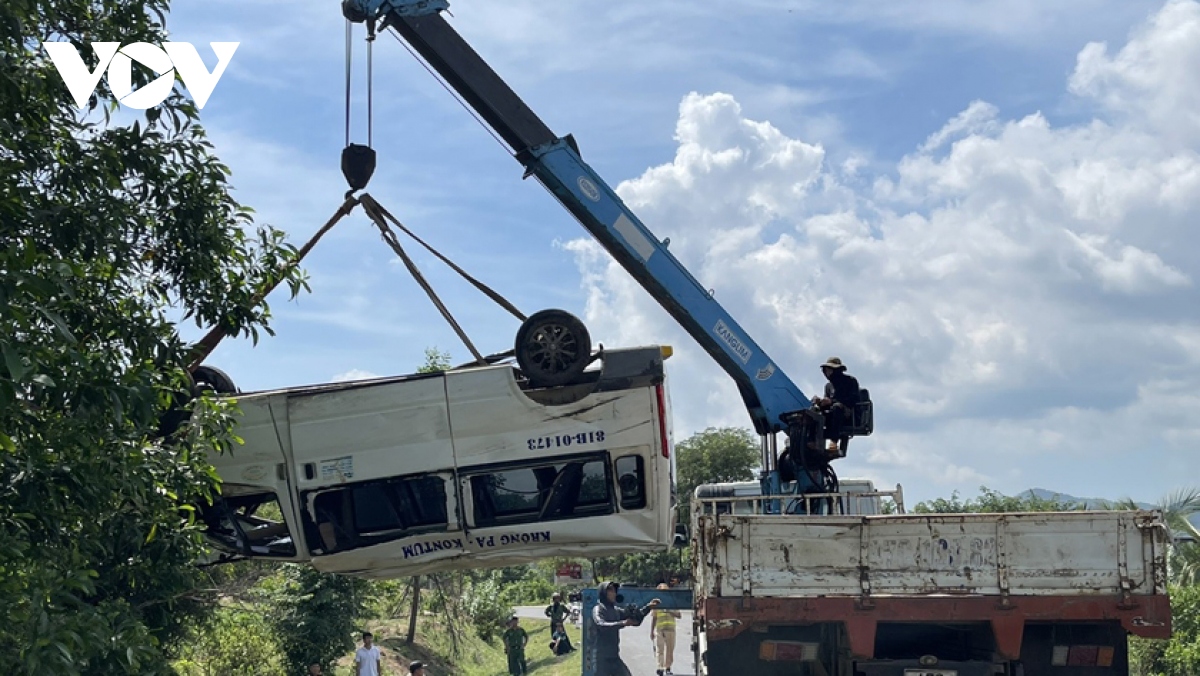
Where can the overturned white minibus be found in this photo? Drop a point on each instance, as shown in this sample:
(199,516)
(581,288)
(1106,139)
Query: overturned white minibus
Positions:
(468,468)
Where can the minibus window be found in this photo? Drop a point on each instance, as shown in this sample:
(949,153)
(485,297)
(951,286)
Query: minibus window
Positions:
(248,524)
(542,492)
(631,482)
(370,513)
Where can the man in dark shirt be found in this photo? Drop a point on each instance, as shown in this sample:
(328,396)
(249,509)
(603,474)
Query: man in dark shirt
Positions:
(841,395)
(609,619)
(557,610)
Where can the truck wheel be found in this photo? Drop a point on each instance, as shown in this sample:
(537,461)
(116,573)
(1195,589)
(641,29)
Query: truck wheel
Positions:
(553,347)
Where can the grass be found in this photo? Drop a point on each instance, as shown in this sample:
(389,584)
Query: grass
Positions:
(475,657)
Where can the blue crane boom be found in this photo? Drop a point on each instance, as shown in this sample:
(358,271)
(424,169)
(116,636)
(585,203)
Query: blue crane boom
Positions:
(768,393)
(774,402)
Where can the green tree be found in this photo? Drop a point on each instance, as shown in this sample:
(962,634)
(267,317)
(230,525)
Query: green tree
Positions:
(315,615)
(485,607)
(1179,508)
(105,231)
(236,640)
(715,455)
(645,569)
(992,502)
(1179,655)
(435,361)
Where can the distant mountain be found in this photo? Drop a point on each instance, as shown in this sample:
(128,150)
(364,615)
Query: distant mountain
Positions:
(1089,503)
(1097,503)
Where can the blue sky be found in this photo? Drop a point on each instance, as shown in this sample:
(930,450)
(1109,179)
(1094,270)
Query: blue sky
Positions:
(986,208)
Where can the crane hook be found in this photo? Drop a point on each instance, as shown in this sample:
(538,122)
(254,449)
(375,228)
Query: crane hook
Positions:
(358,161)
(358,165)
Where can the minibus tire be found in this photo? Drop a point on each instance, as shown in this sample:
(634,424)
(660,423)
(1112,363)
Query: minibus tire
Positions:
(531,344)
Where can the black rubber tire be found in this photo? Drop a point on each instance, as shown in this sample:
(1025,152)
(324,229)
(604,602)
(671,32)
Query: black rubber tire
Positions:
(212,378)
(203,378)
(553,348)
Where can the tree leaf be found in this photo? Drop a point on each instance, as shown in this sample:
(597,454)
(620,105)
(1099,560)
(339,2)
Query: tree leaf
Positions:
(43,379)
(14,362)
(59,323)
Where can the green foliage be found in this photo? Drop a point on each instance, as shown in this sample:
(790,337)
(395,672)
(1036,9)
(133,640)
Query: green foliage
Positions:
(991,502)
(644,569)
(1146,656)
(531,588)
(237,640)
(717,454)
(315,615)
(103,230)
(1180,655)
(486,608)
(435,360)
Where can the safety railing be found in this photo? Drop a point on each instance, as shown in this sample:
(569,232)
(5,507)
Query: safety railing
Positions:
(864,503)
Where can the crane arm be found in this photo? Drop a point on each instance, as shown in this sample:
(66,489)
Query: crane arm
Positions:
(769,395)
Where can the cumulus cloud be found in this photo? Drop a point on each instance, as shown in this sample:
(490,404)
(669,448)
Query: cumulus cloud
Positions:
(1017,294)
(353,374)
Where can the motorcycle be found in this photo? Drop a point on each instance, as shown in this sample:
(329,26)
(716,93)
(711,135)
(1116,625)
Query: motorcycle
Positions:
(573,613)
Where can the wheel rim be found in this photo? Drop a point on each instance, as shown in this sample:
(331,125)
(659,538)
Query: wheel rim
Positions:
(553,348)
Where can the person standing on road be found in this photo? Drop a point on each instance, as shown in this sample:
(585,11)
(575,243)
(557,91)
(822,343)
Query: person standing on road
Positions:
(662,633)
(366,658)
(609,619)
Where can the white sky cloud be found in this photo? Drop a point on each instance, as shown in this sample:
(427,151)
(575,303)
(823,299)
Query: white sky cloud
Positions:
(1013,291)
(353,374)
(987,207)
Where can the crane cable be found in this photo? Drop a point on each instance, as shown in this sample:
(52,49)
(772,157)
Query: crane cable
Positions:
(500,300)
(358,165)
(370,78)
(380,217)
(358,161)
(210,341)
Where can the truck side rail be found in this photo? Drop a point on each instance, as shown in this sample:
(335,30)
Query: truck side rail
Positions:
(865,503)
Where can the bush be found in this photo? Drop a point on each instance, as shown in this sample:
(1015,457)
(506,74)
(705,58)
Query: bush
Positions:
(485,606)
(315,614)
(233,641)
(1182,655)
(531,588)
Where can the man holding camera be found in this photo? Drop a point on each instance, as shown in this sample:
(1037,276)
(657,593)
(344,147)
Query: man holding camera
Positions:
(609,619)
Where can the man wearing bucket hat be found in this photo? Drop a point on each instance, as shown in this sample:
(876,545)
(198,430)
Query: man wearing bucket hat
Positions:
(841,395)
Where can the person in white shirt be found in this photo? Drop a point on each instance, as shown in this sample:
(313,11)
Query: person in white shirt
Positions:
(366,658)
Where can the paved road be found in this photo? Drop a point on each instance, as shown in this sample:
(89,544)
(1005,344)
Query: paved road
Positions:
(636,647)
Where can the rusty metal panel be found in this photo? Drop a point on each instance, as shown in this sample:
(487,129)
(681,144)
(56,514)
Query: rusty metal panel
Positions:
(1039,554)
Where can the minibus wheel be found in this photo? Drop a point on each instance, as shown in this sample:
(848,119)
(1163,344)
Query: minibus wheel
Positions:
(553,348)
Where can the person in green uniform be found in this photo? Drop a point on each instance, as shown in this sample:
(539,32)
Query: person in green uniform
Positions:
(557,610)
(515,638)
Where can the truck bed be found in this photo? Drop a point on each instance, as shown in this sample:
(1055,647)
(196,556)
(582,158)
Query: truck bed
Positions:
(1023,554)
(874,575)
